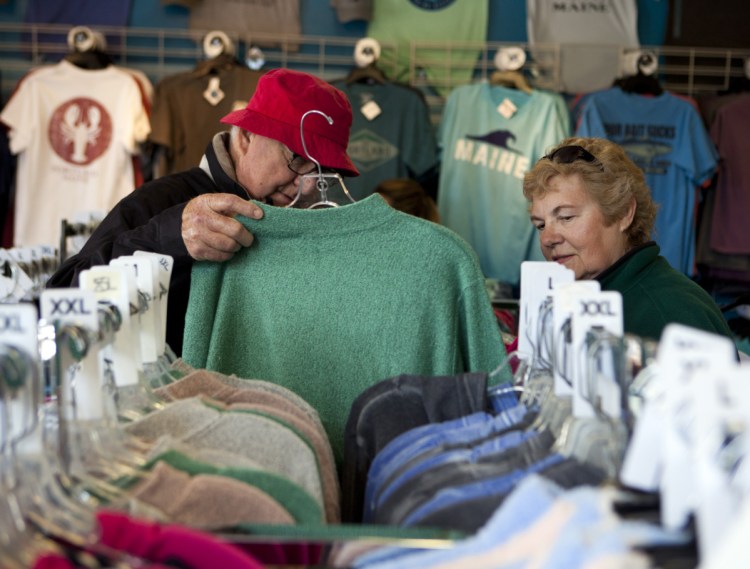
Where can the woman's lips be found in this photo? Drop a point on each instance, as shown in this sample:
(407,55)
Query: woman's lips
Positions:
(562,259)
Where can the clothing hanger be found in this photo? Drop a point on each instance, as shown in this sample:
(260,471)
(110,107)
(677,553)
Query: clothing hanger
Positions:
(513,79)
(644,80)
(509,61)
(317,186)
(87,49)
(366,55)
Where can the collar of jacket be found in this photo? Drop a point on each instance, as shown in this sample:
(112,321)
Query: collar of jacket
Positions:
(629,265)
(218,164)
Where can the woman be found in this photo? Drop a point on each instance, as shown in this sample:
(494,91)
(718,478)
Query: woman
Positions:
(594,214)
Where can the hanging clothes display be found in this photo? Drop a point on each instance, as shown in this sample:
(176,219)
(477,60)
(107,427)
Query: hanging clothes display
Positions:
(489,137)
(664,135)
(75,132)
(188,107)
(591,38)
(391,135)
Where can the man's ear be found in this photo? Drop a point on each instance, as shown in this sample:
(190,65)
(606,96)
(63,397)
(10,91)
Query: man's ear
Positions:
(627,219)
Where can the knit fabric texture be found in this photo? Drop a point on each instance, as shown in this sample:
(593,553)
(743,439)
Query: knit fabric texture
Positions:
(328,302)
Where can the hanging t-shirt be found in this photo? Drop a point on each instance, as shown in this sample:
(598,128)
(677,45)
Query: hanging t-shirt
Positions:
(404,21)
(489,137)
(75,132)
(391,134)
(665,136)
(729,233)
(78,12)
(248,17)
(188,108)
(590,34)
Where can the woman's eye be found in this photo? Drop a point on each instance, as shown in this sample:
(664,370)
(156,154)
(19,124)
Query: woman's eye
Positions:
(539,227)
(567,217)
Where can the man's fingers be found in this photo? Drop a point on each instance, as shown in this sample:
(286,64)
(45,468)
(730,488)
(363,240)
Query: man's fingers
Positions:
(231,205)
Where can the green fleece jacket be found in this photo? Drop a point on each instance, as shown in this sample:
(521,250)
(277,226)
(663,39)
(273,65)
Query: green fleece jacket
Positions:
(654,295)
(328,302)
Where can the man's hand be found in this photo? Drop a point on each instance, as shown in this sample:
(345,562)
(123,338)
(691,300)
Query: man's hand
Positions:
(209,229)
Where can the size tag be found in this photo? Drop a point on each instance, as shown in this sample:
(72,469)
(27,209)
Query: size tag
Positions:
(147,322)
(598,312)
(110,285)
(19,328)
(80,387)
(507,108)
(371,110)
(564,303)
(685,355)
(163,265)
(537,281)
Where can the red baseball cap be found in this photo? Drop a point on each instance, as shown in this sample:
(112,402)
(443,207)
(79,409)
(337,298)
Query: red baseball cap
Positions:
(276,107)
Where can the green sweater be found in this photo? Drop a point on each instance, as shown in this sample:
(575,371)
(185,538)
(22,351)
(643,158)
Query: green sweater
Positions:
(328,302)
(654,295)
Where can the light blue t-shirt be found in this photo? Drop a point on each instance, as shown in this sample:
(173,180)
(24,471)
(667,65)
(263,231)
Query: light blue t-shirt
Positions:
(487,147)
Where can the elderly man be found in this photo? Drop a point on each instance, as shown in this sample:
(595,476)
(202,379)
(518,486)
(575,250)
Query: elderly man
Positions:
(190,215)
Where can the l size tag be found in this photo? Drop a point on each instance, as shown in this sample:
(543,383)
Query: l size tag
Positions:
(162,265)
(371,110)
(537,281)
(507,108)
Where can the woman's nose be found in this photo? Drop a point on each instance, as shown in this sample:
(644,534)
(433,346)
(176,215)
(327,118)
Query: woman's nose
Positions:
(550,236)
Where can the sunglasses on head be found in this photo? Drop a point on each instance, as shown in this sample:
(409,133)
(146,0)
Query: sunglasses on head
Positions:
(569,154)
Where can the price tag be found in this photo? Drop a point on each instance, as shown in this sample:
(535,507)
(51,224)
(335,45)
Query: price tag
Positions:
(507,108)
(371,110)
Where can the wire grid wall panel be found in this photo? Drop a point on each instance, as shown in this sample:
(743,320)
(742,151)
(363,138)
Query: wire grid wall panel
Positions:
(161,52)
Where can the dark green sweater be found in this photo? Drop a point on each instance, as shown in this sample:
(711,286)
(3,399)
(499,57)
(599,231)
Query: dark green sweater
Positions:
(328,302)
(654,295)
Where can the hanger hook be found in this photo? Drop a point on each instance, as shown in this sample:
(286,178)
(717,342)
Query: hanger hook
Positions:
(302,136)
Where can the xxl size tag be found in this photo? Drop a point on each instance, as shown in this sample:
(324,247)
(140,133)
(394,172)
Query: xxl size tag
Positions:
(595,381)
(538,278)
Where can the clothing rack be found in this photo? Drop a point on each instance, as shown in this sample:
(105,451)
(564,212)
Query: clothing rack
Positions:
(161,52)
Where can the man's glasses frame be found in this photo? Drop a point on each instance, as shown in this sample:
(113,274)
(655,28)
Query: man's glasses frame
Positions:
(298,164)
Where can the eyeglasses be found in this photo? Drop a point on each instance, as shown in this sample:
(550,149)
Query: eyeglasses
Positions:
(569,154)
(300,165)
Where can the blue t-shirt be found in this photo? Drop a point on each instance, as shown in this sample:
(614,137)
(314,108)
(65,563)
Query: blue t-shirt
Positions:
(665,136)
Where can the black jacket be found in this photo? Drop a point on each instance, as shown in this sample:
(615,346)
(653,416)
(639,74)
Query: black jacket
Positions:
(150,219)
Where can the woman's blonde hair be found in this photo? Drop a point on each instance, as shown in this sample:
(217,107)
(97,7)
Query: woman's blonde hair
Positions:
(612,180)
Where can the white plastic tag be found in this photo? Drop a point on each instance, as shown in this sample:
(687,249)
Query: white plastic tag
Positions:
(537,281)
(81,394)
(564,303)
(370,110)
(163,265)
(213,93)
(685,355)
(110,284)
(507,108)
(148,321)
(598,311)
(19,328)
